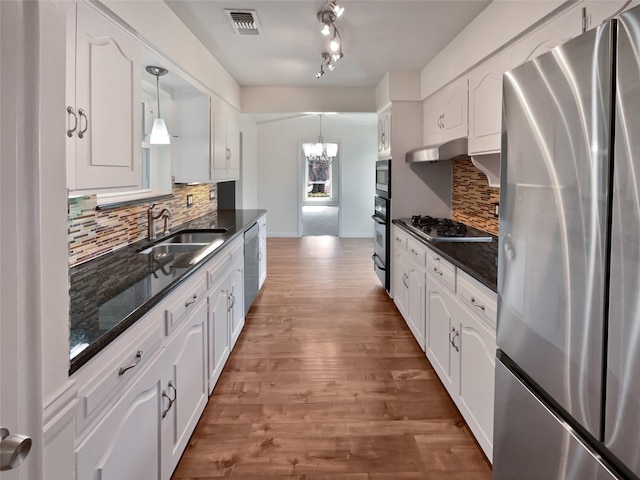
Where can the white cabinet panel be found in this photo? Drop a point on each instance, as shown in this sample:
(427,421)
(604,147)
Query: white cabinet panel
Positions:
(225,148)
(186,387)
(105,118)
(127,442)
(218,331)
(384,132)
(441,336)
(262,250)
(236,292)
(191,148)
(477,372)
(485,105)
(445,114)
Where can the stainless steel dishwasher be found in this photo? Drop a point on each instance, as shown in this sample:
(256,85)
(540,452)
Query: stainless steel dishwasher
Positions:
(251,261)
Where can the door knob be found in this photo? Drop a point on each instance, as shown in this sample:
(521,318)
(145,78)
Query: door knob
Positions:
(13,449)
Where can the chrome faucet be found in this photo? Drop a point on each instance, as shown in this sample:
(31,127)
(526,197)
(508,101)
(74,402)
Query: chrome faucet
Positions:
(151,221)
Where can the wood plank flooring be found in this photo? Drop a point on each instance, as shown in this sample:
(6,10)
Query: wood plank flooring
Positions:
(327,382)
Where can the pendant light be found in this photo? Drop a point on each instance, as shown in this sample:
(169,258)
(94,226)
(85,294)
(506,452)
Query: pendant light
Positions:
(159,132)
(320,151)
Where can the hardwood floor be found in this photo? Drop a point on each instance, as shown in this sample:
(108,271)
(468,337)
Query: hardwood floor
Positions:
(327,382)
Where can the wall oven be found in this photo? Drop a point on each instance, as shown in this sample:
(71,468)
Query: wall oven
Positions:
(383,178)
(382,223)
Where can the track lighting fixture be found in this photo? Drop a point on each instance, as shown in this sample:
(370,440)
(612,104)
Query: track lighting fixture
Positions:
(336,9)
(327,16)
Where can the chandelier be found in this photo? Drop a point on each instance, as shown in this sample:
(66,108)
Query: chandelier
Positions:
(320,153)
(327,16)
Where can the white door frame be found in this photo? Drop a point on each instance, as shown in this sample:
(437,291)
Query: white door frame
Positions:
(302,182)
(34,320)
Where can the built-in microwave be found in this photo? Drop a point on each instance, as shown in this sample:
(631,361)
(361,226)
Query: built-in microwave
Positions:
(383,178)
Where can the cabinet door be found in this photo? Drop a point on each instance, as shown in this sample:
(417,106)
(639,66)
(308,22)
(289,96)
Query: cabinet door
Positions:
(191,150)
(233,147)
(186,356)
(380,134)
(441,334)
(401,282)
(558,31)
(477,377)
(262,250)
(416,304)
(126,443)
(218,330)
(600,10)
(455,113)
(432,114)
(485,105)
(236,292)
(108,99)
(218,145)
(386,139)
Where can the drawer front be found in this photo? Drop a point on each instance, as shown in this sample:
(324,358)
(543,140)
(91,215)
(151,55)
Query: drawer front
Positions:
(417,252)
(399,239)
(236,251)
(128,361)
(187,299)
(441,270)
(479,299)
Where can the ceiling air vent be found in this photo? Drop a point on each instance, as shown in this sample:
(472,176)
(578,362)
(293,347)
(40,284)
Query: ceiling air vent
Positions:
(245,22)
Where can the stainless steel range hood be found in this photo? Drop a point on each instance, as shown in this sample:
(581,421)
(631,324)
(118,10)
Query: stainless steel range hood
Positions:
(446,151)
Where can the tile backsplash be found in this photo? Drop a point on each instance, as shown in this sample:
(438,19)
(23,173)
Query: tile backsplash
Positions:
(473,198)
(95,232)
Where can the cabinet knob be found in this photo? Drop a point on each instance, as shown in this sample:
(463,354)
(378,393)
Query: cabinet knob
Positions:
(13,449)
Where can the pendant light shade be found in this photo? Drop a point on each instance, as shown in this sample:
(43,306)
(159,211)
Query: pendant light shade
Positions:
(159,133)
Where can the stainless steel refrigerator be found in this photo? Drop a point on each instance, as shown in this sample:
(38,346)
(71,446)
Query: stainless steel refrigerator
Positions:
(568,361)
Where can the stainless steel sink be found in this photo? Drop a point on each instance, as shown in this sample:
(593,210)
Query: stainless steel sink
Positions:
(186,241)
(203,237)
(161,249)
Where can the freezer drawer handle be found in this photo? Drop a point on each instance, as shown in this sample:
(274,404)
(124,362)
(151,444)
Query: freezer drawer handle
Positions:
(479,305)
(124,370)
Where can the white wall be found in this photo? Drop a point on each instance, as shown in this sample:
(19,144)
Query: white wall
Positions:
(247,187)
(279,163)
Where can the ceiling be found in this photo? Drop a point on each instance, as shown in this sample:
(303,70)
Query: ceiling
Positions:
(377,35)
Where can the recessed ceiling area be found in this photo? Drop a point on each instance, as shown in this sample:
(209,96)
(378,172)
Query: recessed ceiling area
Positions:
(377,36)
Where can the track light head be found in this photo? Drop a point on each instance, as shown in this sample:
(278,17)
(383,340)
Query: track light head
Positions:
(320,73)
(337,56)
(326,29)
(337,9)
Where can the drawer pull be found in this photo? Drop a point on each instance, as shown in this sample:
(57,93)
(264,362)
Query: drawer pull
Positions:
(171,400)
(479,305)
(404,280)
(435,269)
(123,370)
(193,300)
(453,341)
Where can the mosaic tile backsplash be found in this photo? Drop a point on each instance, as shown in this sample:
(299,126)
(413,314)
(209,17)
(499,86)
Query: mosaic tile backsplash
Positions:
(473,198)
(93,233)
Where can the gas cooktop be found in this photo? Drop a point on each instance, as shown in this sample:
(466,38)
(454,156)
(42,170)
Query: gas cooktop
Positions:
(444,230)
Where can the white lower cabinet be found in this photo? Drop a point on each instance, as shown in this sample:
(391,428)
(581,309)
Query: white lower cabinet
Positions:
(262,250)
(185,392)
(442,335)
(127,442)
(141,397)
(453,317)
(409,282)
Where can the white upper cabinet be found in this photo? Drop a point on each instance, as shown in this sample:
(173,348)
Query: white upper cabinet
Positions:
(554,33)
(446,114)
(225,148)
(384,132)
(598,11)
(192,129)
(104,118)
(485,104)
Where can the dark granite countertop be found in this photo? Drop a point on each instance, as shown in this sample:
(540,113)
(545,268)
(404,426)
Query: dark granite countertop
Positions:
(110,293)
(478,259)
